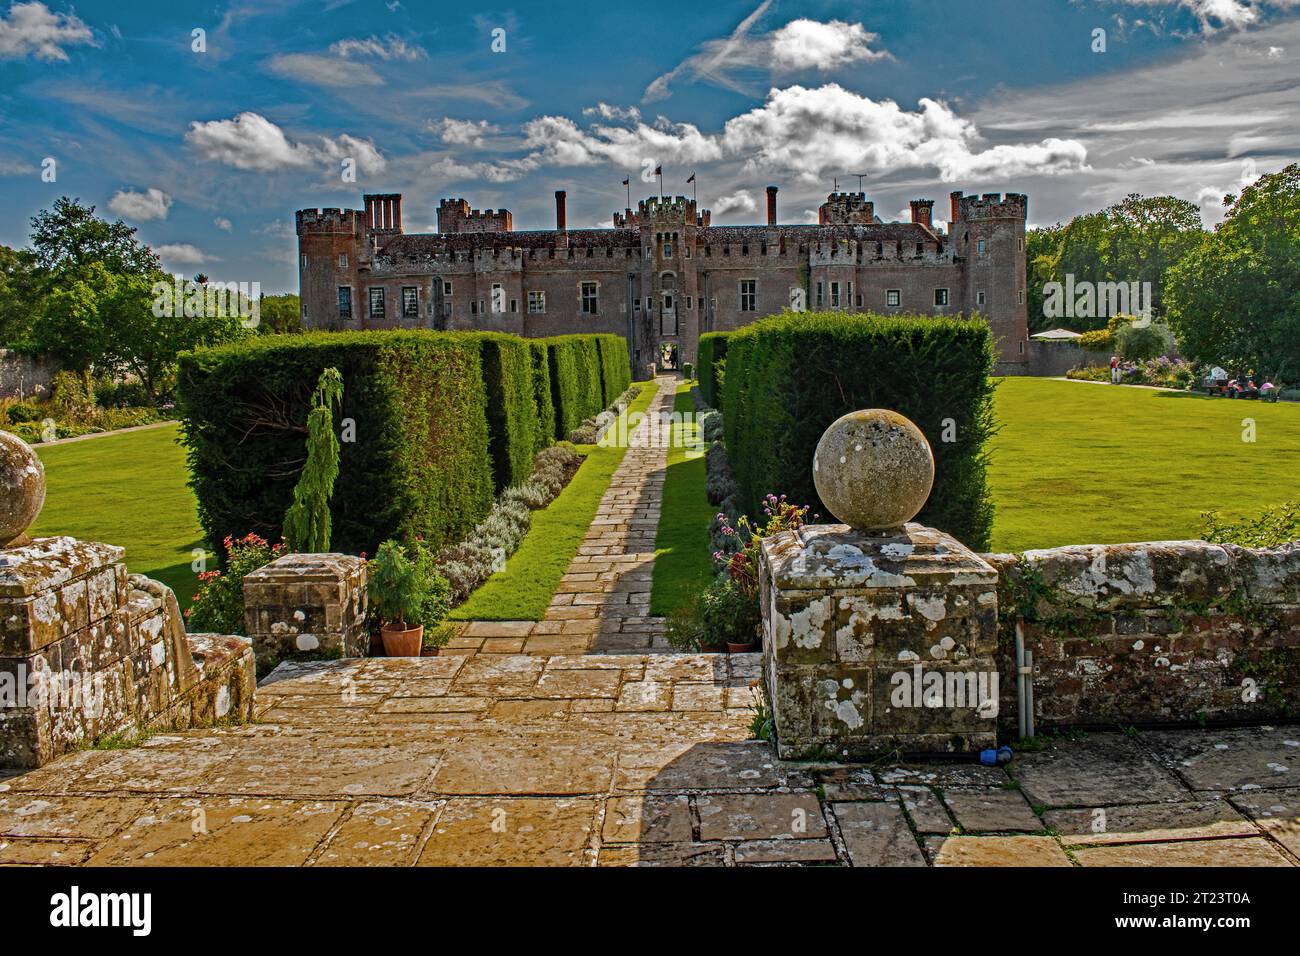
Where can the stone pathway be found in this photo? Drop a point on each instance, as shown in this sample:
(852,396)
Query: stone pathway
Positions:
(626,759)
(602,603)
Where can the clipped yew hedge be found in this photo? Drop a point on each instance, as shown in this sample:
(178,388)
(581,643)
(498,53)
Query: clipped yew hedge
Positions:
(511,407)
(417,461)
(790,376)
(562,358)
(712,355)
(542,392)
(615,367)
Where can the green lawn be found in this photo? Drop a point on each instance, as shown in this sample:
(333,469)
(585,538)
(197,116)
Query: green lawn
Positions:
(128,490)
(522,591)
(1076,463)
(683,558)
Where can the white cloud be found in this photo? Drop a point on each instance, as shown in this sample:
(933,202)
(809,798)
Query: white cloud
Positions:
(1215,15)
(813,132)
(561,142)
(505,171)
(224,224)
(150,204)
(15,167)
(462,132)
(801,44)
(390,48)
(251,141)
(323,70)
(32,28)
(182,254)
(739,201)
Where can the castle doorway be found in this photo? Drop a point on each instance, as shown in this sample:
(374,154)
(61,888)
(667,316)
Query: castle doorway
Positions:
(668,356)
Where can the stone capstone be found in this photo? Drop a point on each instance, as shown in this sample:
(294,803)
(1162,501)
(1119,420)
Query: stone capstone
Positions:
(308,604)
(22,487)
(873,469)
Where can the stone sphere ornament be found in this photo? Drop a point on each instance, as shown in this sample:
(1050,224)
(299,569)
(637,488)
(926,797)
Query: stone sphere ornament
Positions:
(22,488)
(873,469)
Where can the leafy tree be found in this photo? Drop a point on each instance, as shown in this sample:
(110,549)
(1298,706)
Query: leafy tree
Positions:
(1143,343)
(1235,299)
(280,314)
(21,286)
(307,522)
(70,236)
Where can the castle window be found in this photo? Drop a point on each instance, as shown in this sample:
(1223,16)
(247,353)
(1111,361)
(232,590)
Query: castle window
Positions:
(835,295)
(514,305)
(304,261)
(859,300)
(744,250)
(880,250)
(981,246)
(410,301)
(979,298)
(941,297)
(498,298)
(345,302)
(473,307)
(377,303)
(590,303)
(1020,245)
(893,298)
(726,250)
(668,301)
(636,304)
(343,261)
(920,248)
(820,298)
(536,302)
(446,288)
(590,252)
(668,250)
(762,248)
(748,295)
(1022,348)
(689,306)
(686,251)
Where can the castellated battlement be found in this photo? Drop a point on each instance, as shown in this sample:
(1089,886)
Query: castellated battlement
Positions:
(456,216)
(329,222)
(991,206)
(846,209)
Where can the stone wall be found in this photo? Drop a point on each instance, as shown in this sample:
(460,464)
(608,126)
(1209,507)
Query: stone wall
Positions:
(87,651)
(21,375)
(1053,359)
(307,605)
(1153,633)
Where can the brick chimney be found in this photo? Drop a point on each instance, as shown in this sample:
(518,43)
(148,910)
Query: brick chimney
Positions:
(771,205)
(383,212)
(923,212)
(955,212)
(561,217)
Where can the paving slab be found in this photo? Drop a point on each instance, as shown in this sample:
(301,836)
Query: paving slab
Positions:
(533,831)
(1149,823)
(1033,851)
(1099,770)
(1276,812)
(1231,759)
(760,816)
(876,834)
(1230,852)
(983,810)
(383,833)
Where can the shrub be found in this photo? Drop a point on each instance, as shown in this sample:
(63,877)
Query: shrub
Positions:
(687,370)
(1097,340)
(711,425)
(563,362)
(729,612)
(419,467)
(542,393)
(20,412)
(218,607)
(615,367)
(712,354)
(69,393)
(684,629)
(511,407)
(1273,526)
(790,376)
(720,483)
(394,586)
(1143,344)
(307,522)
(591,393)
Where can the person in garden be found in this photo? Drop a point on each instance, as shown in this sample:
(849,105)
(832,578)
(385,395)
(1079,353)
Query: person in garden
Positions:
(1114,370)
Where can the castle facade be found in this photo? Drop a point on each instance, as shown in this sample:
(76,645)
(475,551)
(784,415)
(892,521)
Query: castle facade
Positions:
(663,274)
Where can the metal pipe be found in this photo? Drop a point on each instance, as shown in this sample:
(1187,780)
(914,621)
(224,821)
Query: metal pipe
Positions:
(1020,678)
(1029,691)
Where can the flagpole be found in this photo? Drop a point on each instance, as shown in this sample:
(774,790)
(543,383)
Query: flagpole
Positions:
(661,182)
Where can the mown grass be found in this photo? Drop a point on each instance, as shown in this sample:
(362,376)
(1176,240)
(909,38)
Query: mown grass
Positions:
(126,489)
(1076,463)
(522,590)
(683,559)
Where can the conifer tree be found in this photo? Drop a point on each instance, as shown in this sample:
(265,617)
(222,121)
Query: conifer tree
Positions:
(307,522)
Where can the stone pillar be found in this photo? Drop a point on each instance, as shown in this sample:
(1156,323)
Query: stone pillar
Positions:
(878,634)
(308,604)
(878,641)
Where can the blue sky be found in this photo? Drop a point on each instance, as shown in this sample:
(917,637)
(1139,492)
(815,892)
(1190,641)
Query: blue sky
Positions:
(210,152)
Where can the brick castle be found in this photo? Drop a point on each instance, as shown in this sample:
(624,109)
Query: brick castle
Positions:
(663,273)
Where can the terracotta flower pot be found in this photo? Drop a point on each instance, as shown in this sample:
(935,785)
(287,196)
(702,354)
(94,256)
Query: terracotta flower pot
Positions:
(399,642)
(712,648)
(734,648)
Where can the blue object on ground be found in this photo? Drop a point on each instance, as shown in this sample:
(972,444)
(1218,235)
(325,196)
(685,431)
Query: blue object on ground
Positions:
(1005,754)
(989,758)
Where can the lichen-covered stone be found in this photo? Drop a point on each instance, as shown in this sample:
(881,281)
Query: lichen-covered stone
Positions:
(86,651)
(308,604)
(22,487)
(877,641)
(873,469)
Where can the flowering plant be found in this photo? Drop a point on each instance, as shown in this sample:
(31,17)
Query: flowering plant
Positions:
(219,605)
(742,565)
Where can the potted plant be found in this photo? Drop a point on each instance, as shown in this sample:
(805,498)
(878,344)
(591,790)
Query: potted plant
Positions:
(397,598)
(730,615)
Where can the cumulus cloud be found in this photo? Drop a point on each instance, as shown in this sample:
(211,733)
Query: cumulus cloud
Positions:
(560,141)
(739,201)
(811,132)
(508,170)
(182,254)
(224,224)
(1215,15)
(250,141)
(150,204)
(389,48)
(15,167)
(462,132)
(801,44)
(33,29)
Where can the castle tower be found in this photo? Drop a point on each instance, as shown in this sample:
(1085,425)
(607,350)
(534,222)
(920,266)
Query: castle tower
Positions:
(670,315)
(330,243)
(988,234)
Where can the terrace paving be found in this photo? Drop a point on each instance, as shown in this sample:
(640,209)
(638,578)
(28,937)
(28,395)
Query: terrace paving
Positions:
(618,759)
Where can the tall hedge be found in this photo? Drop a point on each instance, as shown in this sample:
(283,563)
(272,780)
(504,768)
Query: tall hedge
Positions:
(790,376)
(591,394)
(615,367)
(414,457)
(712,354)
(542,392)
(563,361)
(511,407)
